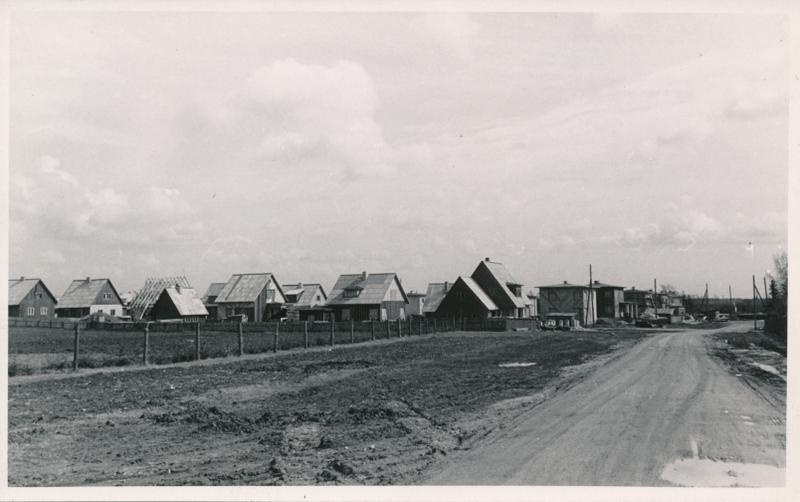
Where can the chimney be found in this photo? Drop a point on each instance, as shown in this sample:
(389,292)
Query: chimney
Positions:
(177,287)
(88,279)
(565,282)
(299,285)
(597,282)
(445,286)
(486,259)
(364,275)
(22,278)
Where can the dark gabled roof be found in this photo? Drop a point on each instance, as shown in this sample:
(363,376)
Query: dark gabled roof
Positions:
(479,293)
(18,289)
(504,279)
(436,293)
(305,293)
(245,288)
(83,293)
(213,290)
(186,301)
(373,289)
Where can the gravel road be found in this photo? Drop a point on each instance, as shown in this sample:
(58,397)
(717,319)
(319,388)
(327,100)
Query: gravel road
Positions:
(665,413)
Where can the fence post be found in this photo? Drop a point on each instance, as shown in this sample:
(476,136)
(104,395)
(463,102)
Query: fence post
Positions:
(146,348)
(434,326)
(75,347)
(241,339)
(197,342)
(305,334)
(388,329)
(333,331)
(352,331)
(399,328)
(277,333)
(372,328)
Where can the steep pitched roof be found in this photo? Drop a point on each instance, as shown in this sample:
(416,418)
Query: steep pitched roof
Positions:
(18,289)
(373,289)
(305,293)
(82,293)
(213,290)
(436,293)
(504,278)
(186,301)
(144,300)
(246,287)
(479,293)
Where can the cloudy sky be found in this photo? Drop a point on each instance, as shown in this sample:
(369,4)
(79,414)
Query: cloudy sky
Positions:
(314,144)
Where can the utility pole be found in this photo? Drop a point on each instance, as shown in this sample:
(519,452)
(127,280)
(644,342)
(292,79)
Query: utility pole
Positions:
(730,300)
(586,320)
(754,302)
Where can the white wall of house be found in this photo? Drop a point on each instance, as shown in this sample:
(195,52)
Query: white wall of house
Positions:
(393,294)
(106,309)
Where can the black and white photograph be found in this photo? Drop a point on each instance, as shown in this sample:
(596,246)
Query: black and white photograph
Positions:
(328,245)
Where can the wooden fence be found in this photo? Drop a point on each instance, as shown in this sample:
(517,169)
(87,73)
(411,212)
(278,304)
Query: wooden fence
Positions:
(183,342)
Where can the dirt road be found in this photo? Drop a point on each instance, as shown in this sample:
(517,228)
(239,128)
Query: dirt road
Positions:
(664,413)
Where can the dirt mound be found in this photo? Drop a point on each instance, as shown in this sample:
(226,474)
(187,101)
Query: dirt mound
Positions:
(336,365)
(207,418)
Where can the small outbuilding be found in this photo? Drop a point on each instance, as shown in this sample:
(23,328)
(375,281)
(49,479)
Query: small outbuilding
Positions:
(178,303)
(569,298)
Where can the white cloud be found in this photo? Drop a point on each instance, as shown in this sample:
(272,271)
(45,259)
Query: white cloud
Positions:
(455,31)
(291,116)
(678,226)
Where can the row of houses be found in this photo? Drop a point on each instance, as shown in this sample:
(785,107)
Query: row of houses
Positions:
(490,291)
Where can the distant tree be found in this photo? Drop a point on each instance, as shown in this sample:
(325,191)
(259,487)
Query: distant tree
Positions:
(669,289)
(779,282)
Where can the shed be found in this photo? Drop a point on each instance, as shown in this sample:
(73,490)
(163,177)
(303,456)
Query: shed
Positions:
(177,302)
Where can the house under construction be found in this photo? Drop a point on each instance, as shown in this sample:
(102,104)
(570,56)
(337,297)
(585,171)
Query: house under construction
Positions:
(143,302)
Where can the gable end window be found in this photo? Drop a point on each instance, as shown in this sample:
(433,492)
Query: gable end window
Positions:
(106,296)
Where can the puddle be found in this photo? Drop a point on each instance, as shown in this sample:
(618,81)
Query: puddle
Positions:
(516,365)
(704,472)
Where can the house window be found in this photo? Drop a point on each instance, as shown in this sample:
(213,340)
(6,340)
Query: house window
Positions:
(113,311)
(351,293)
(106,296)
(43,311)
(38,296)
(345,314)
(31,311)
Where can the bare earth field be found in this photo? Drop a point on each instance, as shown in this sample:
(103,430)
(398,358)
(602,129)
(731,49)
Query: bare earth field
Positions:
(377,413)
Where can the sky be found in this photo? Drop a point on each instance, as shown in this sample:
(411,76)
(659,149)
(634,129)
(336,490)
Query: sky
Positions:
(310,145)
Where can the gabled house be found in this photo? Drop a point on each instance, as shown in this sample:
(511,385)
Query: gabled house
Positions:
(30,299)
(502,288)
(306,302)
(566,298)
(210,299)
(254,297)
(434,296)
(364,297)
(178,303)
(88,296)
(466,300)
